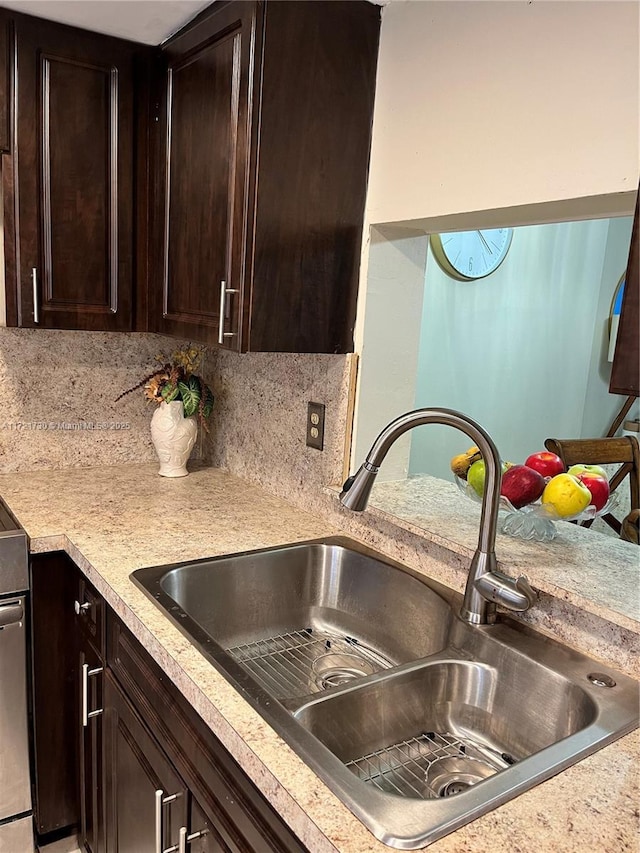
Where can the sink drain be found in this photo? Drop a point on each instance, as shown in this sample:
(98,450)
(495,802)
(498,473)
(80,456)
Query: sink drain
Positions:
(336,668)
(429,766)
(449,776)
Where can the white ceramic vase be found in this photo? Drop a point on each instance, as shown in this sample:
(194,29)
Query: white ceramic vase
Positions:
(173,437)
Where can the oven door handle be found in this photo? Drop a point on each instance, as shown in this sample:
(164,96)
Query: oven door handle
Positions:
(10,614)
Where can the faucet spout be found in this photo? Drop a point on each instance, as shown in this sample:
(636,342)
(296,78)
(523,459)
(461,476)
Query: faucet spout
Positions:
(483,589)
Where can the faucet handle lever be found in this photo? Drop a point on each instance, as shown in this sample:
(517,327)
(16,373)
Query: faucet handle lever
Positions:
(522,584)
(513,594)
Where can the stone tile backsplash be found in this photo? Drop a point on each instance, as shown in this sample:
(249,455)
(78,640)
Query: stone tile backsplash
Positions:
(58,391)
(259,419)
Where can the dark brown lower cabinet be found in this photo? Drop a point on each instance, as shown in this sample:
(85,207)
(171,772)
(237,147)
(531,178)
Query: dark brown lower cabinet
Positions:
(55,693)
(120,755)
(67,621)
(153,737)
(147,803)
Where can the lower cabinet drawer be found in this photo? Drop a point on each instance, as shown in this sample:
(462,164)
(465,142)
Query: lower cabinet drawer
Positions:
(236,816)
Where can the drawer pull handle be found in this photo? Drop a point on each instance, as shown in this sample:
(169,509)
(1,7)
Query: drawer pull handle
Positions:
(34,284)
(86,675)
(224,311)
(184,839)
(81,608)
(160,801)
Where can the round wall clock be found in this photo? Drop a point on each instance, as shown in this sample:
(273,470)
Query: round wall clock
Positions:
(468,255)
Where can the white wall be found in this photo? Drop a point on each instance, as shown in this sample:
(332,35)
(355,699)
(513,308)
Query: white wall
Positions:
(514,350)
(389,362)
(498,113)
(491,104)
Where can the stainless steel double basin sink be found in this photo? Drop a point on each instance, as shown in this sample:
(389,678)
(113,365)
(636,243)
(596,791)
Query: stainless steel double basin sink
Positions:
(416,720)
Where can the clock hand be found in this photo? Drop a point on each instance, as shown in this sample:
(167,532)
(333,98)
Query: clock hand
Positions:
(486,245)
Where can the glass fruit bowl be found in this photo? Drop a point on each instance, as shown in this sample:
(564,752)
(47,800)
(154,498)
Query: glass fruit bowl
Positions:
(536,520)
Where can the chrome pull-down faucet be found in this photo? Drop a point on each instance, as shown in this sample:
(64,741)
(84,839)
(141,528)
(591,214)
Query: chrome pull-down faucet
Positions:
(486,586)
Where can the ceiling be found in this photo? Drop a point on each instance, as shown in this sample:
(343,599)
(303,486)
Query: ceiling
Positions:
(146,21)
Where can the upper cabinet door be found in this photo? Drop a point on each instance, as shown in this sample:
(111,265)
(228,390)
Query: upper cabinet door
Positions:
(261,161)
(5,83)
(625,372)
(73,178)
(202,150)
(315,101)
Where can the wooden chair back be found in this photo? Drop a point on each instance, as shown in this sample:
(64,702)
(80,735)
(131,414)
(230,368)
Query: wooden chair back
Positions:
(623,451)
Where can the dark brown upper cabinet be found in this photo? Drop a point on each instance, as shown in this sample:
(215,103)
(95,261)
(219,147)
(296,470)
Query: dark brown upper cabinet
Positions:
(261,151)
(625,370)
(201,170)
(69,190)
(6,53)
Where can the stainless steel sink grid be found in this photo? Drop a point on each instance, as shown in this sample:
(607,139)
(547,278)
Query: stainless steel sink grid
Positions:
(418,721)
(433,764)
(297,663)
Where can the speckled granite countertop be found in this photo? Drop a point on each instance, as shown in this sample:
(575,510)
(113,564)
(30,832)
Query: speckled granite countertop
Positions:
(114,520)
(609,588)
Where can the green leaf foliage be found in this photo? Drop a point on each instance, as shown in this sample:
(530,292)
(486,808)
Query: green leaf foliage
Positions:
(190,394)
(207,401)
(170,393)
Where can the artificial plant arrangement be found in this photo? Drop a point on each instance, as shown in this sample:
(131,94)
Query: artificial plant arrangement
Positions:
(176,379)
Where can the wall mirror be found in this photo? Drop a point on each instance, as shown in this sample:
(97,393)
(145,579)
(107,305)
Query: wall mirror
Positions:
(524,349)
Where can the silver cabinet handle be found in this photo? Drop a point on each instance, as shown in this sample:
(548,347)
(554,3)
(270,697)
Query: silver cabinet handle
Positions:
(81,608)
(158,844)
(161,801)
(184,839)
(34,282)
(10,614)
(223,299)
(86,675)
(224,290)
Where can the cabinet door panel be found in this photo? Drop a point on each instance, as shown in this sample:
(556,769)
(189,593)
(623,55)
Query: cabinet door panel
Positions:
(135,770)
(79,163)
(73,178)
(201,154)
(203,119)
(5,84)
(56,693)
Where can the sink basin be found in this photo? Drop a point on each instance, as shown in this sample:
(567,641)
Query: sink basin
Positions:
(306,617)
(422,750)
(418,721)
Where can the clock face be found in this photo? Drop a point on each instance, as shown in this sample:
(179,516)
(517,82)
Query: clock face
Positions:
(468,255)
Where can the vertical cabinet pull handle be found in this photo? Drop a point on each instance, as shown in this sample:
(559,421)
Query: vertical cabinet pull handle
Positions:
(86,675)
(224,290)
(160,801)
(34,283)
(158,844)
(184,839)
(223,299)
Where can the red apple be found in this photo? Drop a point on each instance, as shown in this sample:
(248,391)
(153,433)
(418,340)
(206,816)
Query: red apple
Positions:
(546,463)
(591,469)
(522,485)
(597,485)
